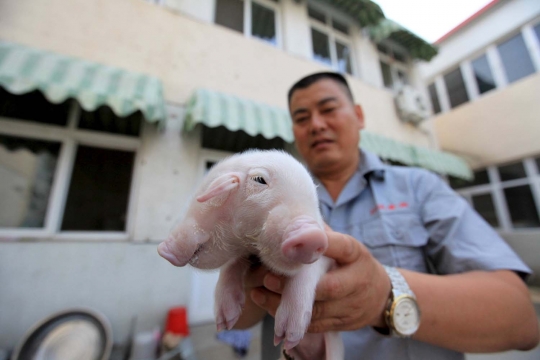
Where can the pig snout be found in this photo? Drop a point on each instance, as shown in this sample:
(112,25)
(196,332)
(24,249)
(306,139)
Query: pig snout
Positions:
(304,240)
(167,250)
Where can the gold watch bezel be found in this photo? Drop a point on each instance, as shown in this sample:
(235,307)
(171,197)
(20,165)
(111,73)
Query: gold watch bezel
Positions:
(390,313)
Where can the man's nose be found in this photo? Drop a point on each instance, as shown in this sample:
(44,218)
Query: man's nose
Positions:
(318,123)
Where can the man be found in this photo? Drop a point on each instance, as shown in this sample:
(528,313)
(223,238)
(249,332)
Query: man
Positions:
(438,252)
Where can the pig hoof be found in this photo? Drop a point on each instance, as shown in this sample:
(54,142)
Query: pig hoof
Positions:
(290,327)
(226,325)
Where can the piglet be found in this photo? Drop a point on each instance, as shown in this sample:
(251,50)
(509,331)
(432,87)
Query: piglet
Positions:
(261,203)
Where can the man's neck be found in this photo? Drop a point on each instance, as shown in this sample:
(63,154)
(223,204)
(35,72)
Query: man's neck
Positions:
(335,180)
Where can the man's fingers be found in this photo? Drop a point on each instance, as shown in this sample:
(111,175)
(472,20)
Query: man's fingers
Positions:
(344,249)
(266,299)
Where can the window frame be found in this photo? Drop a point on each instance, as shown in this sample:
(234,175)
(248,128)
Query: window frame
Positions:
(69,138)
(394,64)
(532,45)
(496,188)
(333,35)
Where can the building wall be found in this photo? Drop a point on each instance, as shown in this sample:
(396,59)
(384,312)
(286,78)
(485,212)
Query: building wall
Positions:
(180,45)
(496,23)
(187,53)
(499,127)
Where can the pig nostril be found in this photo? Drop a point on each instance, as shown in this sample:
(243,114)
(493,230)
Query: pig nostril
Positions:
(320,250)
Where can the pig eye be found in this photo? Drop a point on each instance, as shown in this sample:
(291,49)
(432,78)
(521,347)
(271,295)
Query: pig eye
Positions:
(259,179)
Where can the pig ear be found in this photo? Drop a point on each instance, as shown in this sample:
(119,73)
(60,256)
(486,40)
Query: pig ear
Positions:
(223,184)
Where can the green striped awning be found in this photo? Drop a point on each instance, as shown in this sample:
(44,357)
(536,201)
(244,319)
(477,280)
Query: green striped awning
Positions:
(417,47)
(58,77)
(215,109)
(366,12)
(435,160)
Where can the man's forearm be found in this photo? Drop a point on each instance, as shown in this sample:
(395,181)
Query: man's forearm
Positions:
(475,312)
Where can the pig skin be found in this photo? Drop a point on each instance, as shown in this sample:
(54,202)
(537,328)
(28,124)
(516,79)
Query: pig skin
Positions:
(261,203)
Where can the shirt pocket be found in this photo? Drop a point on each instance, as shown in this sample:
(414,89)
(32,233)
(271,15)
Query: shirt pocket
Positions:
(397,239)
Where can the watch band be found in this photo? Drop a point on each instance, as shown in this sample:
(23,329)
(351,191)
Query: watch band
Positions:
(400,289)
(399,285)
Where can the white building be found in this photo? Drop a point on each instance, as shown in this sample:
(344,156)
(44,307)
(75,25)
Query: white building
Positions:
(484,86)
(110,112)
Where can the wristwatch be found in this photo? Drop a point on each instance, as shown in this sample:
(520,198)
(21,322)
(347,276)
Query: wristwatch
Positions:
(402,314)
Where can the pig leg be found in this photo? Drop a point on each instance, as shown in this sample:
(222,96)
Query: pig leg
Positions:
(320,346)
(229,295)
(294,313)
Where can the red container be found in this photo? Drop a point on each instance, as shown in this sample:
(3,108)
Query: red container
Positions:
(177,321)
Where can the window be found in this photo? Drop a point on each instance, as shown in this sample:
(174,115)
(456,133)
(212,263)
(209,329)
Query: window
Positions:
(515,57)
(482,74)
(483,204)
(221,138)
(537,31)
(522,208)
(455,86)
(330,41)
(434,98)
(256,18)
(64,169)
(393,66)
(512,171)
(514,185)
(481,177)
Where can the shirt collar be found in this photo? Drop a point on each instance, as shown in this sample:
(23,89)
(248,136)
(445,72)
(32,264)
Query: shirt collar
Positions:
(370,166)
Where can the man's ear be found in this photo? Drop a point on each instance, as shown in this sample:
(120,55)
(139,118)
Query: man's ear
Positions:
(359,115)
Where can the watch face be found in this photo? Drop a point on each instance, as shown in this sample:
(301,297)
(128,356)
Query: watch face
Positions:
(406,317)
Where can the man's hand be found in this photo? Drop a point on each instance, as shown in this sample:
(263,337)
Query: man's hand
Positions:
(350,296)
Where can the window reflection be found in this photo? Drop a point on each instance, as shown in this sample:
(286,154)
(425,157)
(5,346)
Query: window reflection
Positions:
(27,170)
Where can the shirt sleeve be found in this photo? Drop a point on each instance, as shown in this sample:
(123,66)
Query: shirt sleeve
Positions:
(460,239)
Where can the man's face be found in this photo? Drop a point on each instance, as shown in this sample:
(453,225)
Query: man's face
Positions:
(326,125)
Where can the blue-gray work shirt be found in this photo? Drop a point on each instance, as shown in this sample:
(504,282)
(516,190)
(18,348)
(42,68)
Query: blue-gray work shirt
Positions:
(409,218)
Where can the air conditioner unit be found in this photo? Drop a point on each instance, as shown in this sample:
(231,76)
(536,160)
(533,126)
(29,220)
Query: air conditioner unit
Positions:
(411,105)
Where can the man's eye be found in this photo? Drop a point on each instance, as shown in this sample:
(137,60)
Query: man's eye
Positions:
(300,120)
(327,110)
(259,179)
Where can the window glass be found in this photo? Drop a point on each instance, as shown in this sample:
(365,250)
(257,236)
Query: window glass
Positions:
(402,77)
(537,31)
(99,190)
(230,13)
(483,75)
(316,14)
(321,47)
(515,58)
(41,110)
(522,207)
(512,171)
(483,204)
(455,86)
(434,98)
(27,168)
(221,138)
(383,49)
(104,119)
(344,58)
(387,74)
(339,26)
(538,165)
(481,177)
(263,23)
(399,57)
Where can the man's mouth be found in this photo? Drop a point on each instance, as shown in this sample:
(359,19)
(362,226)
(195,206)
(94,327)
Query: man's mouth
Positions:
(321,142)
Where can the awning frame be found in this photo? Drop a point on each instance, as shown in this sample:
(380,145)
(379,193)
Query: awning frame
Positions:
(59,77)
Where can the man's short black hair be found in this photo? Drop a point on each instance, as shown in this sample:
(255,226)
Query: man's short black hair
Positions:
(313,78)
